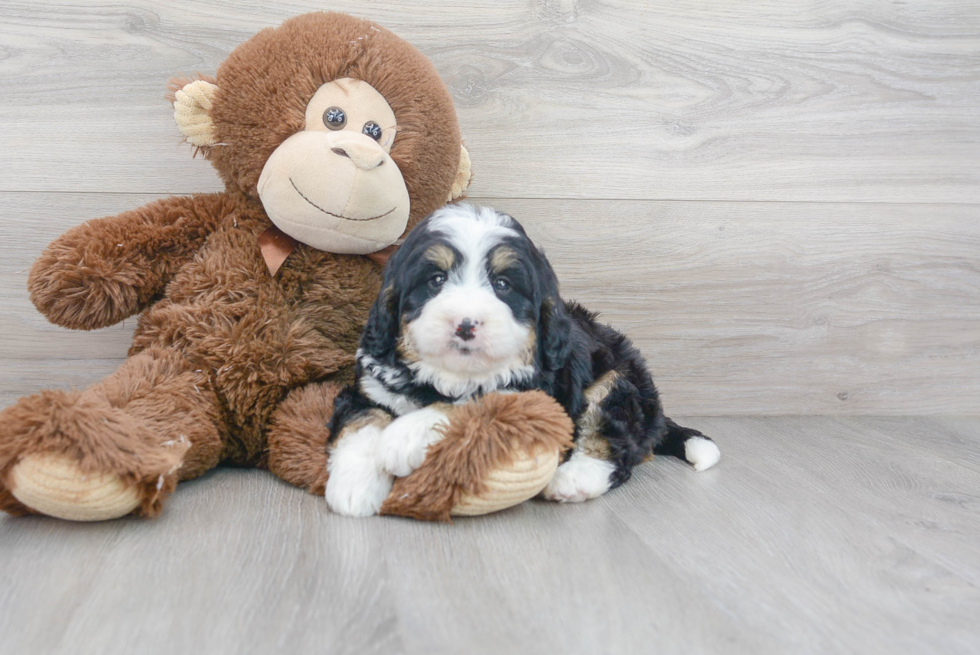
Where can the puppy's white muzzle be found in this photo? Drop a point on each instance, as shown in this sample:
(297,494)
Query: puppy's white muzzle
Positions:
(468,330)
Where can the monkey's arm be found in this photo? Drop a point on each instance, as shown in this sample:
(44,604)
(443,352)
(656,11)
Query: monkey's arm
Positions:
(106,269)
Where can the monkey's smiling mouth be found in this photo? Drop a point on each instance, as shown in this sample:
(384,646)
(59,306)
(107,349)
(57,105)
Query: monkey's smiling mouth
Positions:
(346,218)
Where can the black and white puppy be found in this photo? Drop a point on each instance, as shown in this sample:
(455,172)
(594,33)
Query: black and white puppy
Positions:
(470,306)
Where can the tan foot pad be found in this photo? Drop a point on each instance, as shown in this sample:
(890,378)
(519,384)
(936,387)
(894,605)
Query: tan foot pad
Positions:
(54,485)
(510,486)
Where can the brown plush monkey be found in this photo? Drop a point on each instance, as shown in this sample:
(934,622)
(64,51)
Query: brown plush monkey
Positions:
(333,138)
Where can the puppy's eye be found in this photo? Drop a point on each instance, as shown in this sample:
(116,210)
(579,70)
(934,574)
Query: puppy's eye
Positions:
(335,118)
(437,280)
(373,130)
(501,285)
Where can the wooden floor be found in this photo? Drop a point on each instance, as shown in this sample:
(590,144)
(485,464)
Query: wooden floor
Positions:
(813,535)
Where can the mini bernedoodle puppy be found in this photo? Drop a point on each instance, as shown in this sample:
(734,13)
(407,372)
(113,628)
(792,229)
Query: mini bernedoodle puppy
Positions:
(470,306)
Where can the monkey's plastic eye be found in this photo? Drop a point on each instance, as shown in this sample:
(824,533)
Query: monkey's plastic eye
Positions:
(335,118)
(373,130)
(437,280)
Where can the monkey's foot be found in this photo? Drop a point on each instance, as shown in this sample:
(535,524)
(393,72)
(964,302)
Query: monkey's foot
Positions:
(55,485)
(74,455)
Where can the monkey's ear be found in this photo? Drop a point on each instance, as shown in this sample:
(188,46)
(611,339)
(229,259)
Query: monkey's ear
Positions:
(463,176)
(192,107)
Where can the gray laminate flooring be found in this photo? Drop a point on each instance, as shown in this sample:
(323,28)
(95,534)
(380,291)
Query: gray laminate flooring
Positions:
(813,535)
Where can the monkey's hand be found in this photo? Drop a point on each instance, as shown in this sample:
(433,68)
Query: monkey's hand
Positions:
(106,269)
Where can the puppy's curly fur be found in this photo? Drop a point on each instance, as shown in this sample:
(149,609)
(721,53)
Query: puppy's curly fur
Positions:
(470,306)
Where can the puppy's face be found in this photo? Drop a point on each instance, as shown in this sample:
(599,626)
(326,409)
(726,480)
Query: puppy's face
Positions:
(463,299)
(469,307)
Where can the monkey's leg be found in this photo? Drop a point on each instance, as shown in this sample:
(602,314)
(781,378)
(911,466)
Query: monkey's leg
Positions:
(298,436)
(116,448)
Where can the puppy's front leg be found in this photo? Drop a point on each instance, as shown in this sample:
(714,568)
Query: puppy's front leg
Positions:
(357,484)
(579,479)
(405,442)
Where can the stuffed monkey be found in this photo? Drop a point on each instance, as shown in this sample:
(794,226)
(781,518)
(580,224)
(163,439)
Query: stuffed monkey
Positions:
(333,137)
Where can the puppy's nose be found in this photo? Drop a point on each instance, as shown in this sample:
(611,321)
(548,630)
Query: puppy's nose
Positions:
(465,329)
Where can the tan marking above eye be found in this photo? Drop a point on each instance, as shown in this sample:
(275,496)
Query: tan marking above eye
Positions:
(441,255)
(502,259)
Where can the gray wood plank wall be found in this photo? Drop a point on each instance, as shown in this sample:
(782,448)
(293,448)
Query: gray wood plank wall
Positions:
(779,201)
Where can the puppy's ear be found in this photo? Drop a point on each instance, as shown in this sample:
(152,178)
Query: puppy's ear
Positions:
(381,332)
(380,335)
(554,334)
(554,324)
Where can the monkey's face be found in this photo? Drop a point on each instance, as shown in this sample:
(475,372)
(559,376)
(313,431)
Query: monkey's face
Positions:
(301,118)
(333,185)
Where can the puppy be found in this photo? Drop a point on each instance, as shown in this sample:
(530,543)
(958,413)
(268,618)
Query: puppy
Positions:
(470,306)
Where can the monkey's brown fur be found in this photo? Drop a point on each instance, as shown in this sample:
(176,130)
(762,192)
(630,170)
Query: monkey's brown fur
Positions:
(228,363)
(480,438)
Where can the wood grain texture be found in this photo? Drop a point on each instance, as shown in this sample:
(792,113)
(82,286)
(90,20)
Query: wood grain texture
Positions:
(35,354)
(851,287)
(740,308)
(829,532)
(781,308)
(813,535)
(843,101)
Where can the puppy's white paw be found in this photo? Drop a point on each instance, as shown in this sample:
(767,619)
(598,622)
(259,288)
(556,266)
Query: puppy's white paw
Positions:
(579,479)
(406,440)
(702,453)
(357,485)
